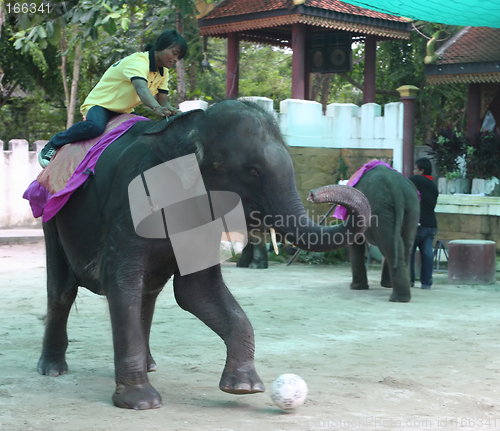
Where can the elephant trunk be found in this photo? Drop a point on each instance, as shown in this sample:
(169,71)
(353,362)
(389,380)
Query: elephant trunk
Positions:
(296,227)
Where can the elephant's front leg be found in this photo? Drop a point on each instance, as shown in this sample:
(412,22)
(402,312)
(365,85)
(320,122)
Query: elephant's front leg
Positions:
(148,308)
(133,390)
(62,289)
(205,295)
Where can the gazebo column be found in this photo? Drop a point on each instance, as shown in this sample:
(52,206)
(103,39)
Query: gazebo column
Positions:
(370,69)
(233,64)
(299,32)
(473,109)
(408,96)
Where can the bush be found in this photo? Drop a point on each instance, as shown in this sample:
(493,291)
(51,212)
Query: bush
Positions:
(483,154)
(446,146)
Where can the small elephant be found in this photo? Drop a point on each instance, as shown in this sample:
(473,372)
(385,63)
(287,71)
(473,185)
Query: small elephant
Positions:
(395,210)
(92,241)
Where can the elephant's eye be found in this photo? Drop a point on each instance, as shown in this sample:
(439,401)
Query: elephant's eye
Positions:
(255,172)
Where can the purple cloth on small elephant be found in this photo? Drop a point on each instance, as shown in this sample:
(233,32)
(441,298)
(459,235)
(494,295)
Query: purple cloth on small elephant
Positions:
(340,212)
(42,202)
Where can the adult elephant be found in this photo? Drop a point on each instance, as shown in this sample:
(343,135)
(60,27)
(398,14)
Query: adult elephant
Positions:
(91,241)
(395,210)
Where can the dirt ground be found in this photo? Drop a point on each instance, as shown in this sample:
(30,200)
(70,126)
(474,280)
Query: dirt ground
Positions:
(370,364)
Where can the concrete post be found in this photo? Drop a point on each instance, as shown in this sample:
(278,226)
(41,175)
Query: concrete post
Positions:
(233,63)
(299,61)
(370,69)
(473,109)
(408,94)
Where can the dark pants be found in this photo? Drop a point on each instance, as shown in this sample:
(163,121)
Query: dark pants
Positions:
(95,124)
(424,240)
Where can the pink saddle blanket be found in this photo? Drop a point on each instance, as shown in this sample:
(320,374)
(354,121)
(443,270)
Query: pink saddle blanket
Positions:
(69,168)
(340,212)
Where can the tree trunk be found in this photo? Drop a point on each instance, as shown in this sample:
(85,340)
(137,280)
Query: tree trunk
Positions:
(2,20)
(316,86)
(180,66)
(74,86)
(321,85)
(64,72)
(325,90)
(192,76)
(4,100)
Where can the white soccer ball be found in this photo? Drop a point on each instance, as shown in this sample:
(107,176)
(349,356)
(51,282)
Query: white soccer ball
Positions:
(289,391)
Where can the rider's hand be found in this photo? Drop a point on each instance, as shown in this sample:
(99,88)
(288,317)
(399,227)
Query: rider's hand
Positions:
(165,111)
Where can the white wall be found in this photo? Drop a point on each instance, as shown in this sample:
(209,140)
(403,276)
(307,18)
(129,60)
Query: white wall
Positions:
(302,123)
(18,168)
(344,126)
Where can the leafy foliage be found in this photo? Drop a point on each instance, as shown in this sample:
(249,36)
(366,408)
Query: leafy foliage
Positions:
(113,29)
(483,154)
(445,147)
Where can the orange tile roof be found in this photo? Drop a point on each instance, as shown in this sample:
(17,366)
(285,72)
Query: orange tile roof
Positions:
(229,8)
(471,45)
(470,56)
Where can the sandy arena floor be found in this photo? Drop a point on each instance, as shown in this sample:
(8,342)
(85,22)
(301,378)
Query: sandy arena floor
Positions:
(370,364)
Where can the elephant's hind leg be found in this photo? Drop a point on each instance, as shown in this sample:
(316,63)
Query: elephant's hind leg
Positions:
(400,276)
(205,295)
(61,293)
(386,280)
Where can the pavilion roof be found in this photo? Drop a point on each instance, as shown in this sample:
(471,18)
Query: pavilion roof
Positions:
(253,17)
(470,56)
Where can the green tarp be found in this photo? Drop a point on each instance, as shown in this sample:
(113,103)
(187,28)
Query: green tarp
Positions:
(476,13)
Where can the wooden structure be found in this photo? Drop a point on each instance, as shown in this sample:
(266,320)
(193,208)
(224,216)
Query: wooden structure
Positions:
(471,57)
(292,24)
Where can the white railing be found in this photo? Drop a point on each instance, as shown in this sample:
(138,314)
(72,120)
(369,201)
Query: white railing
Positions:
(302,124)
(343,126)
(18,168)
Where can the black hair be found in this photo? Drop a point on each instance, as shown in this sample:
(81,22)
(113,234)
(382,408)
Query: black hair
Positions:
(424,164)
(168,39)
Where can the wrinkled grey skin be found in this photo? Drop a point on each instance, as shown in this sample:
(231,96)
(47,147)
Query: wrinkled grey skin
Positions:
(92,243)
(395,210)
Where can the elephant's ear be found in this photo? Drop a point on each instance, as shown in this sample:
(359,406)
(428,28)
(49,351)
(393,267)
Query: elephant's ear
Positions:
(175,137)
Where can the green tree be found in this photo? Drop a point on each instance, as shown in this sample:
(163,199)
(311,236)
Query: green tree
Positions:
(50,23)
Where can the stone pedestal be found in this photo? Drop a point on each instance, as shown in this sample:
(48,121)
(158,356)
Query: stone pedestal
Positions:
(471,262)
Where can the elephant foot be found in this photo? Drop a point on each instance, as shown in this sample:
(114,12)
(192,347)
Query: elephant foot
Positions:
(359,286)
(137,397)
(388,285)
(242,264)
(241,381)
(400,297)
(52,367)
(258,265)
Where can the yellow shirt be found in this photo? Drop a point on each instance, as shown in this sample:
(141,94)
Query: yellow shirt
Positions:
(115,90)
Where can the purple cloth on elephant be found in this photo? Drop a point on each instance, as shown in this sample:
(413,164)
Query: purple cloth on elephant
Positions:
(42,202)
(340,212)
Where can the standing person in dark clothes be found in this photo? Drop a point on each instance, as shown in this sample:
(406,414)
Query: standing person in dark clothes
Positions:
(427,226)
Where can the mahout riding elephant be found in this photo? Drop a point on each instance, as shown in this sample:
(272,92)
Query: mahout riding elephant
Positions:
(395,210)
(91,241)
